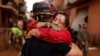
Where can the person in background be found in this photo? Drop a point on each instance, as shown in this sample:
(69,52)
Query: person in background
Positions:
(10,22)
(16,33)
(83,37)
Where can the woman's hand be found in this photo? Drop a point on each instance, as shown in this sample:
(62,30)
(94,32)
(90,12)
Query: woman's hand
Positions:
(53,26)
(56,28)
(33,32)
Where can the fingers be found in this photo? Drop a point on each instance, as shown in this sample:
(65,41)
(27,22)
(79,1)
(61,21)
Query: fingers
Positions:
(34,32)
(55,27)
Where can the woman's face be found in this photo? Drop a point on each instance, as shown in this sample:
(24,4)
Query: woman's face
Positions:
(20,24)
(59,20)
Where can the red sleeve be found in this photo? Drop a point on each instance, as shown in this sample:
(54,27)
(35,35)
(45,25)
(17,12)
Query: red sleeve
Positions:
(50,34)
(32,25)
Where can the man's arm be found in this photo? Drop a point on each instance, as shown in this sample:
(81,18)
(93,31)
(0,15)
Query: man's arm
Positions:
(37,24)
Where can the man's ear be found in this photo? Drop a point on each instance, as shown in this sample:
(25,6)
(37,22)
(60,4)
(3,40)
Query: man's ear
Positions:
(33,14)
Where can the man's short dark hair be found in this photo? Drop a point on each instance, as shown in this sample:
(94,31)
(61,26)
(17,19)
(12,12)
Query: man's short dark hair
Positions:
(41,11)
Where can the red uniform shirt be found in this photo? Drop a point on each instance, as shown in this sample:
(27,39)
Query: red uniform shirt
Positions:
(31,25)
(50,35)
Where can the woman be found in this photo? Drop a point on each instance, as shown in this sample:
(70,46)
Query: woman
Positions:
(61,20)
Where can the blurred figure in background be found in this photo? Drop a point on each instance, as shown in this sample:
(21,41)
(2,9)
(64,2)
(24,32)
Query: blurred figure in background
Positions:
(83,37)
(10,23)
(16,34)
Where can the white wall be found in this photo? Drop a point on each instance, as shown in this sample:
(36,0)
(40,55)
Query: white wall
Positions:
(79,19)
(29,4)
